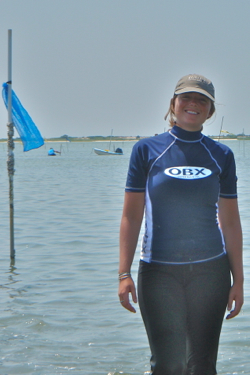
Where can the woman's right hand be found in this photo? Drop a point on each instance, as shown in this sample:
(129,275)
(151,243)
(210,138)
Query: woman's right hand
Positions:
(127,286)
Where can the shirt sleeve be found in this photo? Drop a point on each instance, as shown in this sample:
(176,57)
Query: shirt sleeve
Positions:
(138,170)
(228,178)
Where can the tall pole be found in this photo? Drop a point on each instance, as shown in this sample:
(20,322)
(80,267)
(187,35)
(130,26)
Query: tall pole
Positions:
(221,127)
(11,146)
(110,138)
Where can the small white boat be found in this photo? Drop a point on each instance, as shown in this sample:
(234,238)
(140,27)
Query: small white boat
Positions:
(117,151)
(99,151)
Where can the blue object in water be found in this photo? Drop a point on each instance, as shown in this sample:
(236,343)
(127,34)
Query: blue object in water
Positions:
(51,152)
(24,125)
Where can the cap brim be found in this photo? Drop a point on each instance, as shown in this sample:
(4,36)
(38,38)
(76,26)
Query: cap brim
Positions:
(194,89)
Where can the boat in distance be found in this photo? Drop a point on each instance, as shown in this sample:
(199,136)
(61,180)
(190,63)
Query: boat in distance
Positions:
(99,151)
(117,151)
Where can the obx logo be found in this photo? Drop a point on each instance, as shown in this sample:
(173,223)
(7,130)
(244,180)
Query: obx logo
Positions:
(188,173)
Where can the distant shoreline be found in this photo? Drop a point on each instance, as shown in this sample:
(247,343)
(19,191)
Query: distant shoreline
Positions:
(119,139)
(87,139)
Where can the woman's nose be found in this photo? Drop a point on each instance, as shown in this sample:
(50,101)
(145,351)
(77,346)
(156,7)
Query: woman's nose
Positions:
(193,100)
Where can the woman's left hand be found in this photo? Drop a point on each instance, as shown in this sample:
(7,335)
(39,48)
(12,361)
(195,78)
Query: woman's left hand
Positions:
(235,301)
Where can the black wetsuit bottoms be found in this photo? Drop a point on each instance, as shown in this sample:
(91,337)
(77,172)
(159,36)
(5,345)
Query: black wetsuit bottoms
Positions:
(183,307)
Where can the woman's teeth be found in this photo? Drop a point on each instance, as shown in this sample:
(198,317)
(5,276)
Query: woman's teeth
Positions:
(192,113)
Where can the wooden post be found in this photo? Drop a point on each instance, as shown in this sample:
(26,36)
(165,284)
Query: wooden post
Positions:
(11,146)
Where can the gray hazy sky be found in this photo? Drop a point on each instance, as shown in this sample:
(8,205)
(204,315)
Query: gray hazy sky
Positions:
(84,67)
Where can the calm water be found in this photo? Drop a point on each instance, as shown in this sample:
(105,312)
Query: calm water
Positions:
(59,308)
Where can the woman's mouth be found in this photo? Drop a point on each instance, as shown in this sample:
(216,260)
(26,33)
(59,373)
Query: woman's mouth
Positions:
(192,112)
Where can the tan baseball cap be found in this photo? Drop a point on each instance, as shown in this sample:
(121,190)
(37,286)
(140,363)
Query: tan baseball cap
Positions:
(195,83)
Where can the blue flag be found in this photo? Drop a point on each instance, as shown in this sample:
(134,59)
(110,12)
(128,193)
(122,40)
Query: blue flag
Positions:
(24,125)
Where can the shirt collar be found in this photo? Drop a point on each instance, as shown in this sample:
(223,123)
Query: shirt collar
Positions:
(185,135)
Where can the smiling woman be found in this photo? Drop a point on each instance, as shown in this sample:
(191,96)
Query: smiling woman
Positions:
(186,183)
(193,93)
(192,110)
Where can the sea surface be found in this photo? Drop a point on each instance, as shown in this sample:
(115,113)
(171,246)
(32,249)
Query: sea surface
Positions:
(59,310)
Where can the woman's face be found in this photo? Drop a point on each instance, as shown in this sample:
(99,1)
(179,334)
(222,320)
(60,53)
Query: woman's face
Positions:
(191,110)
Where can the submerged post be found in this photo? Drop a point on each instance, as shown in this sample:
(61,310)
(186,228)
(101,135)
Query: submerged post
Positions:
(11,146)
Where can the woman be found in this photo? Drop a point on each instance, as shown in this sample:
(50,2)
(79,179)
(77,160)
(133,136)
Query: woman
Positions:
(192,244)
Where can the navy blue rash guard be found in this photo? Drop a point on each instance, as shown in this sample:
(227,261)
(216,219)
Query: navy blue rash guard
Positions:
(183,174)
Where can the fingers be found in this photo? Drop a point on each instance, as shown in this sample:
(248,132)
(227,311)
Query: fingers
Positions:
(233,311)
(235,301)
(232,314)
(126,287)
(134,297)
(127,305)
